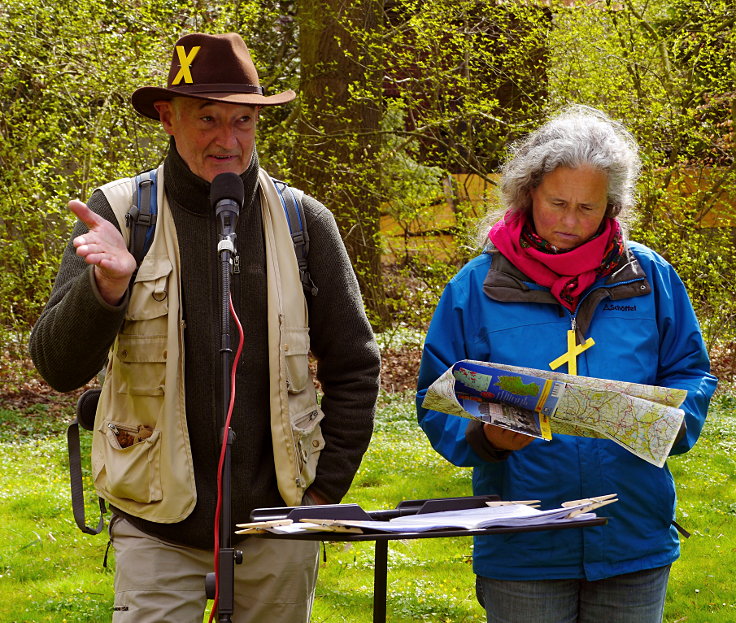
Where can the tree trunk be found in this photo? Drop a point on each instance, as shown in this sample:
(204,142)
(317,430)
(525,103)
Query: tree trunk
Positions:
(336,156)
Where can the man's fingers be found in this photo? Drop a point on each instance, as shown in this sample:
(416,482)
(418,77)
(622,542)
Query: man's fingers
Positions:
(84,214)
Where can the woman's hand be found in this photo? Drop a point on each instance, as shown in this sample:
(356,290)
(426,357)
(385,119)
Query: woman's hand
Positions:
(505,439)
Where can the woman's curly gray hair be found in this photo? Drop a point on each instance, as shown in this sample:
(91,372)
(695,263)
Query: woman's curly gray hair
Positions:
(576,136)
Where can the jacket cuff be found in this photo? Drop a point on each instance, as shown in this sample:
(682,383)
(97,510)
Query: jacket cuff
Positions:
(477,440)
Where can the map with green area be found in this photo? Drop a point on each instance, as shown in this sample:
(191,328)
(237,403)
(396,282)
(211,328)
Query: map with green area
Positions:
(514,385)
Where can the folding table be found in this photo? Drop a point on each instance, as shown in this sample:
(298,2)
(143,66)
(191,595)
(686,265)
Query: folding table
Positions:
(411,507)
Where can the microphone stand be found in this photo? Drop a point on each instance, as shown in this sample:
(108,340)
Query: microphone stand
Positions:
(224,579)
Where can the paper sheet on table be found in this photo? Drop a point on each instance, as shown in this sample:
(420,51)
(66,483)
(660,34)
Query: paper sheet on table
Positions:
(470,519)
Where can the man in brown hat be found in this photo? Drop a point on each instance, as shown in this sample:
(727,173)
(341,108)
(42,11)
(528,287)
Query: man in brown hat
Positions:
(156,442)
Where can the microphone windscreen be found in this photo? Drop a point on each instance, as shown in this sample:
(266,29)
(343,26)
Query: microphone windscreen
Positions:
(227,186)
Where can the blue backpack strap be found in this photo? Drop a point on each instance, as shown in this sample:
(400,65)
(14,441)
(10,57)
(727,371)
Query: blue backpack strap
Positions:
(141,218)
(291,202)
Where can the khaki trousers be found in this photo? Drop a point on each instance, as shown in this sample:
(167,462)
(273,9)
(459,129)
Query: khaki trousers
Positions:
(159,582)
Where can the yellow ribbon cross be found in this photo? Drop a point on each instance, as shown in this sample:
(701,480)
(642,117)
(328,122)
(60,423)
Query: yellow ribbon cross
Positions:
(185,60)
(573,350)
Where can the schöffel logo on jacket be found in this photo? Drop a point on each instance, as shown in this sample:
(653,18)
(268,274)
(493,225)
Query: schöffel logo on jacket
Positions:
(625,308)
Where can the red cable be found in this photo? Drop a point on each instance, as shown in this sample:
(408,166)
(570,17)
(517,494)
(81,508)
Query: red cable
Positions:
(221,462)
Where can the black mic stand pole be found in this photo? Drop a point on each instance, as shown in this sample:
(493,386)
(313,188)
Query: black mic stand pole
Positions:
(228,557)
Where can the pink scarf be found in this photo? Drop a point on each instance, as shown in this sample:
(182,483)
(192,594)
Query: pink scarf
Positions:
(566,274)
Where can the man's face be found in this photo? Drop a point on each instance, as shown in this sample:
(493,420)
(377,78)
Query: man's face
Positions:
(211,137)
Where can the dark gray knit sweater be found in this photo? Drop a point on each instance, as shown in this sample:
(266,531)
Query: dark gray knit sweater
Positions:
(69,346)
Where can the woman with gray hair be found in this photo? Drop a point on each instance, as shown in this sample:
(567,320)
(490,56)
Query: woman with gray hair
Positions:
(557,270)
(579,136)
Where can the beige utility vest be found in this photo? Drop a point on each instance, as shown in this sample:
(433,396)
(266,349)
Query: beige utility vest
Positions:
(151,474)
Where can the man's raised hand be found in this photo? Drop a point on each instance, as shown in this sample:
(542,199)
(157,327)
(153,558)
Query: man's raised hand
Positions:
(104,248)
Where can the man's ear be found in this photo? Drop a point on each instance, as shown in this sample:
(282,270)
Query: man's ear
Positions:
(165,114)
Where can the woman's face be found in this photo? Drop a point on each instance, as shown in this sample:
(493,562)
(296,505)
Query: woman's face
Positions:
(569,205)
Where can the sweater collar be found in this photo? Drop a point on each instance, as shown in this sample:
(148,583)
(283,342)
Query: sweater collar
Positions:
(192,193)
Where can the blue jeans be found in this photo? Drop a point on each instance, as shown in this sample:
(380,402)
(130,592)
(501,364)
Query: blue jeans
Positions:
(629,598)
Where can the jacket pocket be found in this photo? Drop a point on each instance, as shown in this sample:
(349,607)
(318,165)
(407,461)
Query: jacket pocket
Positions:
(131,459)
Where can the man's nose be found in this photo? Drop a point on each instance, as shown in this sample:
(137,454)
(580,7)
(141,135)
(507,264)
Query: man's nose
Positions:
(226,137)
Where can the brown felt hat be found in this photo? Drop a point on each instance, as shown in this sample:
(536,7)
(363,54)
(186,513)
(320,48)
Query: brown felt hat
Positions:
(210,67)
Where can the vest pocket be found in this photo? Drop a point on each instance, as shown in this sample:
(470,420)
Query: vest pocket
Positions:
(309,442)
(305,414)
(140,353)
(296,352)
(149,297)
(140,362)
(131,457)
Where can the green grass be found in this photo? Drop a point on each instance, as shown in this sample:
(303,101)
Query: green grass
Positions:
(49,571)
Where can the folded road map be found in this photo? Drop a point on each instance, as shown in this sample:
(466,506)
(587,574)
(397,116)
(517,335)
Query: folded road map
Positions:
(644,419)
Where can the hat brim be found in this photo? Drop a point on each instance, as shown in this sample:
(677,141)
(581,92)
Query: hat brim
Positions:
(143,99)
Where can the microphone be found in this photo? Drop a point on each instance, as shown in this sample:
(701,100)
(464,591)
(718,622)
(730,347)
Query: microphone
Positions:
(226,197)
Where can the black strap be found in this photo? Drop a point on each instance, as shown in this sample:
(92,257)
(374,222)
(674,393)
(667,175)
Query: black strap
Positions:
(299,235)
(75,477)
(141,218)
(681,530)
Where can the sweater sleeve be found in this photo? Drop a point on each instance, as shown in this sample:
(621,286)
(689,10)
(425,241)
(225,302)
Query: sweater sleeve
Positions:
(70,340)
(348,360)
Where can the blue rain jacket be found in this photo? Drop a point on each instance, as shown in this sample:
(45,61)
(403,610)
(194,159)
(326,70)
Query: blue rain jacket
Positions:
(645,331)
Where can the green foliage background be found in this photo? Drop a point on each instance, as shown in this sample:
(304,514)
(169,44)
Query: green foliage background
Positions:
(453,82)
(68,70)
(428,90)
